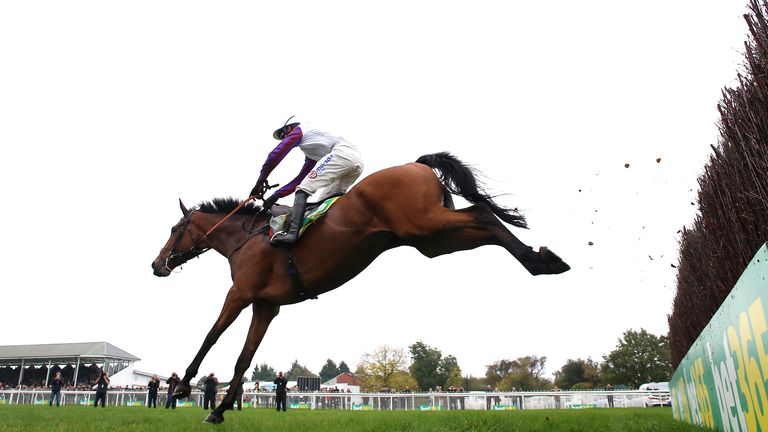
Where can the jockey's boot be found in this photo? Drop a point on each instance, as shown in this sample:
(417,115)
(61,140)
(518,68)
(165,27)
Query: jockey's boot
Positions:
(287,239)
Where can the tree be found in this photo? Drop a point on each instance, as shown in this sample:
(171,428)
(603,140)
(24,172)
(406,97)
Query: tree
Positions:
(472,383)
(639,357)
(384,368)
(454,378)
(497,371)
(451,372)
(298,370)
(425,365)
(430,369)
(581,372)
(522,373)
(263,372)
(401,380)
(343,367)
(330,370)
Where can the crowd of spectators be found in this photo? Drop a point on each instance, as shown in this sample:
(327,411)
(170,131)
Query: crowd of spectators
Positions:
(333,402)
(35,378)
(453,398)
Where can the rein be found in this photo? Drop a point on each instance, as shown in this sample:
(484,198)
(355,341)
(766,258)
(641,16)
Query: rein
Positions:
(267,187)
(247,200)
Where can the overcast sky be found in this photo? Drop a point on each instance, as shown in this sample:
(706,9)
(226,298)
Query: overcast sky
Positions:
(111,111)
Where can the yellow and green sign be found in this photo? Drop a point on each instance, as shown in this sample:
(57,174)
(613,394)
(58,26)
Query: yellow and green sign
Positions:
(722,383)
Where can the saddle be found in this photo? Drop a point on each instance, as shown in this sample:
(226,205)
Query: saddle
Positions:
(313,212)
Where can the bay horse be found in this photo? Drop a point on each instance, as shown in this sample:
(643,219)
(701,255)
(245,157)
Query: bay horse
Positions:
(407,205)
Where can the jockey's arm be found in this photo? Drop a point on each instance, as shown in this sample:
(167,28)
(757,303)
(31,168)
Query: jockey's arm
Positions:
(293,184)
(278,154)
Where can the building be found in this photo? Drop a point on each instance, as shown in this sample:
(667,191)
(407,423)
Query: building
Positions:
(80,363)
(347,378)
(131,377)
(343,381)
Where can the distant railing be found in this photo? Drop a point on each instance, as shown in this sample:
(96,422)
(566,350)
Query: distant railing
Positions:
(368,401)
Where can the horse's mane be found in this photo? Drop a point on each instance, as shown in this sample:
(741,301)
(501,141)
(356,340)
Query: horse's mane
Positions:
(226,205)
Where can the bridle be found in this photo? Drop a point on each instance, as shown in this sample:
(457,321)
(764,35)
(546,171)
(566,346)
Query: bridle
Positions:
(193,252)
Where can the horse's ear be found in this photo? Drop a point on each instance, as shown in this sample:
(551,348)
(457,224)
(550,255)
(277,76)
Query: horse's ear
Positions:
(183,208)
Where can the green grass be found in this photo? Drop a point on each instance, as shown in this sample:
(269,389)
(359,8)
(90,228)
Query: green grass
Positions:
(114,419)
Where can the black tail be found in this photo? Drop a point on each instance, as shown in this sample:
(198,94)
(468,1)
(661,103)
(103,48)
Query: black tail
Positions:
(459,179)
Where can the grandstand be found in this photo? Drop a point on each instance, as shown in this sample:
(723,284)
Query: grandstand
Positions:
(80,363)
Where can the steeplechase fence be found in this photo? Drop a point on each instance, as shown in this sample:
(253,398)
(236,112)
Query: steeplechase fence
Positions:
(362,401)
(722,381)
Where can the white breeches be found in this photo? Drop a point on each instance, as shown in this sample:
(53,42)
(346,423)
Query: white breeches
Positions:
(334,174)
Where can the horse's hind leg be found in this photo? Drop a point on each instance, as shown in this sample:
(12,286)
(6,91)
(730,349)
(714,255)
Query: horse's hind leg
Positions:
(475,226)
(233,305)
(262,317)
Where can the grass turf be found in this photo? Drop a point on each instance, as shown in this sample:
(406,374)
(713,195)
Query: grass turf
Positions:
(114,419)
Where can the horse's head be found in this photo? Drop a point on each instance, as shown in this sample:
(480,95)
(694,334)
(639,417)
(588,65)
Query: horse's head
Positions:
(181,246)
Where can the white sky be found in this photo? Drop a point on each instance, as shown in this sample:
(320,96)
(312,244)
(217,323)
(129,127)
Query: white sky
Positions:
(111,111)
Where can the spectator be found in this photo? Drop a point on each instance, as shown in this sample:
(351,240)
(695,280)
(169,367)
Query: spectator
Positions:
(609,389)
(55,389)
(518,399)
(154,385)
(557,398)
(172,382)
(281,391)
(101,390)
(452,402)
(209,395)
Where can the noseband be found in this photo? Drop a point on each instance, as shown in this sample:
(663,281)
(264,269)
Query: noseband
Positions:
(193,252)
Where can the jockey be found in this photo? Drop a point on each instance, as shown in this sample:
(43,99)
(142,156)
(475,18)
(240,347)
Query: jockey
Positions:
(331,163)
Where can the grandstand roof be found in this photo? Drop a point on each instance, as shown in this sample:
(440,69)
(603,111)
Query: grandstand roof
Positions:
(66,351)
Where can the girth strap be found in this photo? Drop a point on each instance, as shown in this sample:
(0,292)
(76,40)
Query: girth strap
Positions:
(293,273)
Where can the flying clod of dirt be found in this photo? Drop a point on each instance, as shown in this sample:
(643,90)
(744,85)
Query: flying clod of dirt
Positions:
(658,160)
(626,165)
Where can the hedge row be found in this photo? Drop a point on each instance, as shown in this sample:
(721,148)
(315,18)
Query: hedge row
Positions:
(733,198)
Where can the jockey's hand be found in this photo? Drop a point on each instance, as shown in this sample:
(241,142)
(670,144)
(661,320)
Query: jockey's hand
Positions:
(258,190)
(269,202)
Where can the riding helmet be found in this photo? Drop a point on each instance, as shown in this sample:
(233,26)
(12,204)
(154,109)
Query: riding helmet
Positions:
(282,131)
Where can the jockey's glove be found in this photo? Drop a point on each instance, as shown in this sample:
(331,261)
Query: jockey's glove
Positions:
(257,191)
(269,202)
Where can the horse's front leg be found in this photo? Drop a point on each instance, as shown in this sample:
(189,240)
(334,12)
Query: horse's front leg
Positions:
(233,305)
(263,313)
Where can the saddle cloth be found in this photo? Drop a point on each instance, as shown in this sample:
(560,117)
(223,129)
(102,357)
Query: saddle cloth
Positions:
(281,215)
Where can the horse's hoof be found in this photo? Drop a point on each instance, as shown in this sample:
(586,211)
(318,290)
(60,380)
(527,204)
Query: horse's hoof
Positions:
(545,262)
(555,263)
(182,391)
(214,418)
